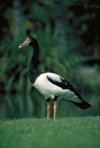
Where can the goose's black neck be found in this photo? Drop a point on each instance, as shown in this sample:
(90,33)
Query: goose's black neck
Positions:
(33,72)
(34,59)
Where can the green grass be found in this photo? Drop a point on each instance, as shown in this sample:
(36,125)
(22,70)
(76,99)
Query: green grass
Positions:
(81,132)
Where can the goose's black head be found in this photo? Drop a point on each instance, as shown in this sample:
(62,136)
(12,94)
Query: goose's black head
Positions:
(30,41)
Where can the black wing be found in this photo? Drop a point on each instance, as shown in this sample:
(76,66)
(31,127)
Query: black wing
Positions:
(64,84)
(60,83)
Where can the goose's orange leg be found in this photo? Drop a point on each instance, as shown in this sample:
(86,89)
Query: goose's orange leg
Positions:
(48,108)
(55,109)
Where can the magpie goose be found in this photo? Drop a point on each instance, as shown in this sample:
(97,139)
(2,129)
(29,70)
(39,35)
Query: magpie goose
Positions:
(51,85)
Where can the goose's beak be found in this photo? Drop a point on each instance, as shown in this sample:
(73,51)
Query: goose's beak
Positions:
(20,46)
(25,43)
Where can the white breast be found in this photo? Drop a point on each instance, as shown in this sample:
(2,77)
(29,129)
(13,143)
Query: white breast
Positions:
(46,88)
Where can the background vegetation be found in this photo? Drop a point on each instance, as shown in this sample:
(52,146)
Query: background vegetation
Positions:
(68,33)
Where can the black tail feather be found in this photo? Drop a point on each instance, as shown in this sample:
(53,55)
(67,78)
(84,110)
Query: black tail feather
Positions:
(83,105)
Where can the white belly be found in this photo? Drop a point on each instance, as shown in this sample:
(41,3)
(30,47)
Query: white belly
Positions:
(49,90)
(46,88)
